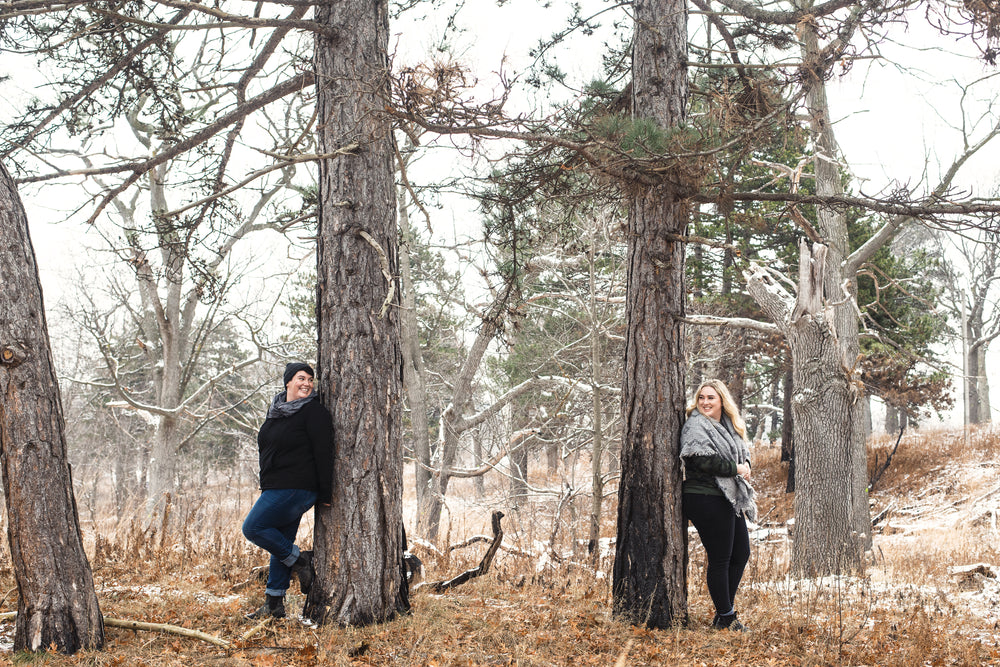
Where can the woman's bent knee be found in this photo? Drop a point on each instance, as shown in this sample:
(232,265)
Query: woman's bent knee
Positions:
(250,529)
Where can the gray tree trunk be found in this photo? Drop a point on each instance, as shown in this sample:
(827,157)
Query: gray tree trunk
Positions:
(552,457)
(414,374)
(519,470)
(447,455)
(833,525)
(826,411)
(983,387)
(597,411)
(649,582)
(477,450)
(978,383)
(56,603)
(358,539)
(173,319)
(891,419)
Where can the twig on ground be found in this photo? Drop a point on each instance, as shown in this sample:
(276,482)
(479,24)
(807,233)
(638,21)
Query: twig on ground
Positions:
(623,658)
(255,629)
(164,627)
(883,514)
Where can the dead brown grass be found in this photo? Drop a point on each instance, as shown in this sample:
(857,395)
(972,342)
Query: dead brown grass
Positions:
(906,611)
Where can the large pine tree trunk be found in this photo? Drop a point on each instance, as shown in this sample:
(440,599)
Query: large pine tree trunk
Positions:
(358,538)
(650,573)
(56,604)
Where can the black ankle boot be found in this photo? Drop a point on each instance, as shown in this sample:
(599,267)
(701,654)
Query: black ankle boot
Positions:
(274,606)
(728,622)
(303,569)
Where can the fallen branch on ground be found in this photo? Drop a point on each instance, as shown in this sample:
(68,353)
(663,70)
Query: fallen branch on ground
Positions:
(883,514)
(154,627)
(484,564)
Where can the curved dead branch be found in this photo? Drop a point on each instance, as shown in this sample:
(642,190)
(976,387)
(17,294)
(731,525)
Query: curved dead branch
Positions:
(152,627)
(484,564)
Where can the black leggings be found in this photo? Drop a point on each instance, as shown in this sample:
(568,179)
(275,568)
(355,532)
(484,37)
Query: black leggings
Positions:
(727,545)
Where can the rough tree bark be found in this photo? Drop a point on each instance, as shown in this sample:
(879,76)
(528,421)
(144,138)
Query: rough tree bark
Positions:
(650,573)
(56,604)
(833,525)
(358,539)
(824,401)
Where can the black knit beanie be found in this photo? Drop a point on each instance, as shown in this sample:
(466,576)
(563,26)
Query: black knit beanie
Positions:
(293,368)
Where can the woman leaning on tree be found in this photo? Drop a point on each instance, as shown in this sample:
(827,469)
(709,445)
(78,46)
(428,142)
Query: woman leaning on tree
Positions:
(718,498)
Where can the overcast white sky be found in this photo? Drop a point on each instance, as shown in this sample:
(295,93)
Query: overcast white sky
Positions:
(888,124)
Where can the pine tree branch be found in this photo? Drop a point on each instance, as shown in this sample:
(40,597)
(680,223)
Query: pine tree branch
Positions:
(227,20)
(123,63)
(928,207)
(141,167)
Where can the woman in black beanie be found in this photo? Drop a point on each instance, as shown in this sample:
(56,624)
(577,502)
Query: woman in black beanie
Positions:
(295,446)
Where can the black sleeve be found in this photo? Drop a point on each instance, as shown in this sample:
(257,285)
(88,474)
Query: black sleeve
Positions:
(319,427)
(711,465)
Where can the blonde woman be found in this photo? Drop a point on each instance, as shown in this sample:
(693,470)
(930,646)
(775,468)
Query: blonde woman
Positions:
(718,498)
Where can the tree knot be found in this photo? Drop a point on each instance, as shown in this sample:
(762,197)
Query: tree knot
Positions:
(13,355)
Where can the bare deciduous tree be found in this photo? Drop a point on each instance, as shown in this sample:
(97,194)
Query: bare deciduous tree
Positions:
(971,276)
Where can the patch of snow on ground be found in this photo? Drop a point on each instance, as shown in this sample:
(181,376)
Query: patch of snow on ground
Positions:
(7,636)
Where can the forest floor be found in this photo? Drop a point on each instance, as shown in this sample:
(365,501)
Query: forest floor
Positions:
(929,596)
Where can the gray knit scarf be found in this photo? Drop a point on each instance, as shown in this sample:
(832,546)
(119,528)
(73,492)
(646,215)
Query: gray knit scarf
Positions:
(703,436)
(280,407)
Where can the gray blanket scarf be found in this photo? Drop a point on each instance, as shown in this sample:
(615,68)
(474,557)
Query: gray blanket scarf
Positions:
(281,407)
(702,436)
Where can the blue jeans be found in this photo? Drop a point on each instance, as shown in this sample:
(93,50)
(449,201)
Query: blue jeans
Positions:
(271,525)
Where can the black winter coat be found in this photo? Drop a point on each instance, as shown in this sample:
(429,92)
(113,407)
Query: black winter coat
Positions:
(296,452)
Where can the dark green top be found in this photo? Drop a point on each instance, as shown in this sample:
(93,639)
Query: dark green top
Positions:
(700,473)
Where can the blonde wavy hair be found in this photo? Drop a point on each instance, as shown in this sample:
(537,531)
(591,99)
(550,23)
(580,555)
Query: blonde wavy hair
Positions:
(728,405)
